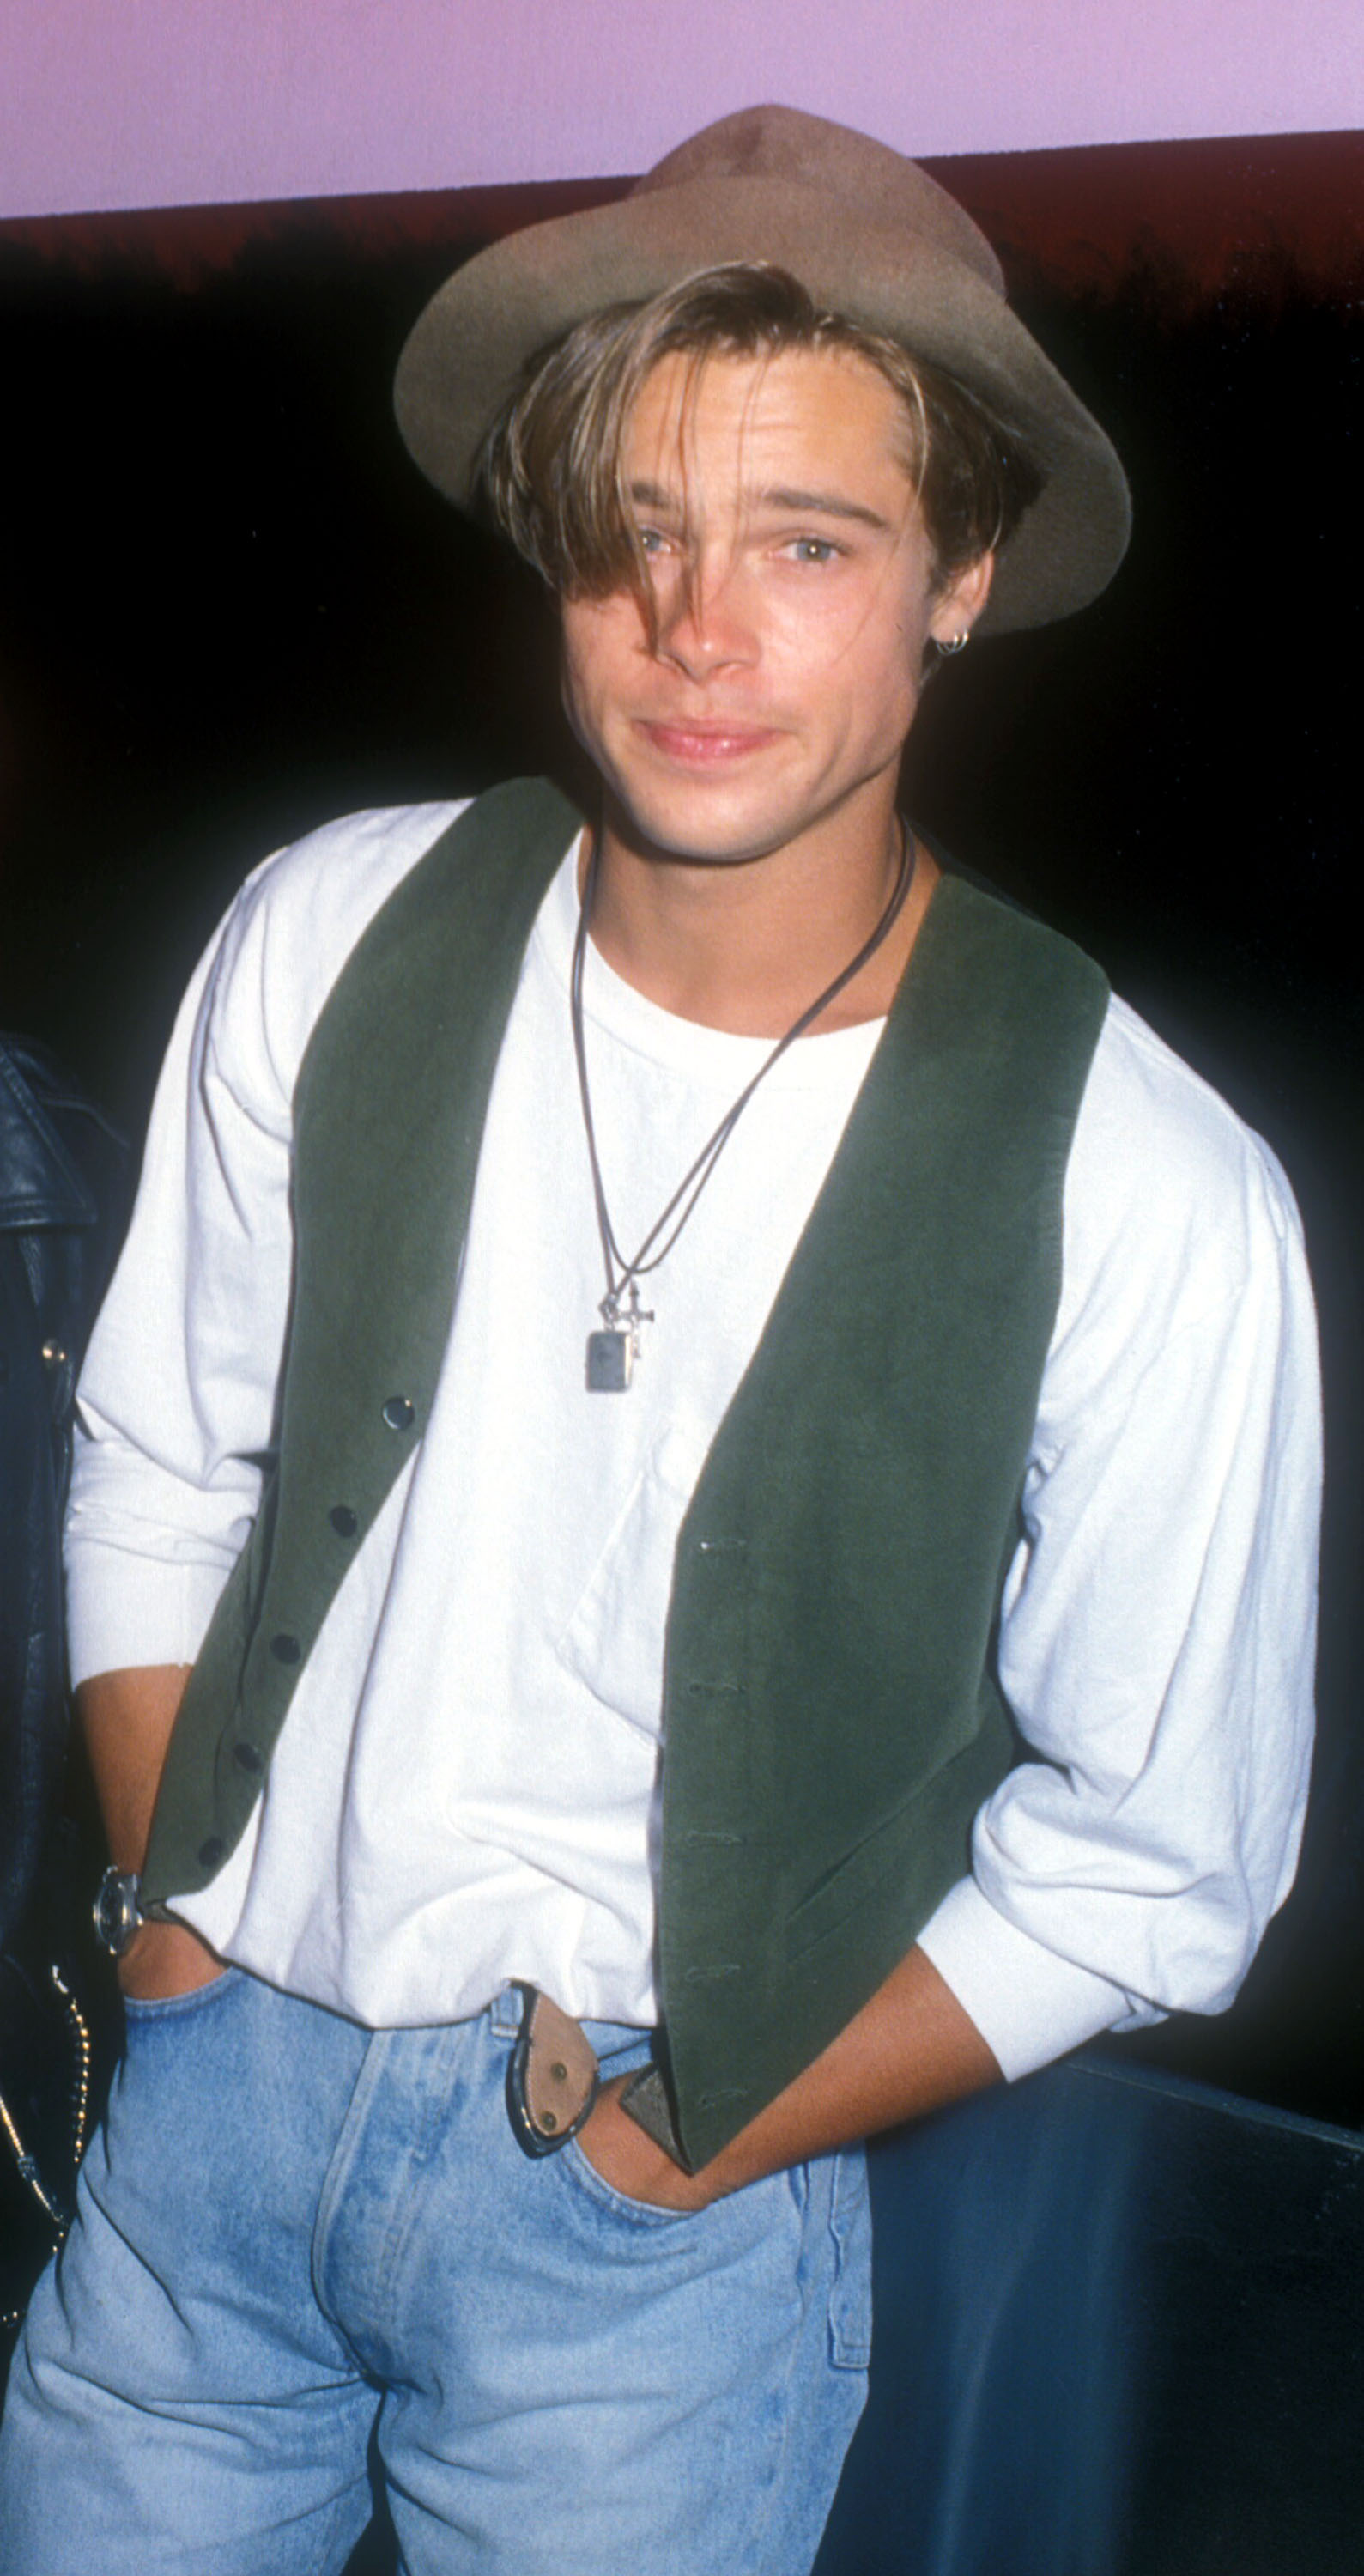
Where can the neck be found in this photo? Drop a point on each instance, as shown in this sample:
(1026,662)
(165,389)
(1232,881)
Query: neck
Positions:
(744,945)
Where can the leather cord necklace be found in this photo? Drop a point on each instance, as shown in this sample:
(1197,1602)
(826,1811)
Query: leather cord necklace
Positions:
(613,1350)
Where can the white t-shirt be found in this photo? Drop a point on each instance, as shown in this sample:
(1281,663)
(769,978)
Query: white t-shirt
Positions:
(467,1787)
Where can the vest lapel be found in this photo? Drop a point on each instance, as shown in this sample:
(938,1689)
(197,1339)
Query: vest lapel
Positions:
(389,1113)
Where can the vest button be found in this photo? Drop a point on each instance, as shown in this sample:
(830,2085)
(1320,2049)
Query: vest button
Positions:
(343,1520)
(247,1757)
(400,1413)
(211,1852)
(286,1649)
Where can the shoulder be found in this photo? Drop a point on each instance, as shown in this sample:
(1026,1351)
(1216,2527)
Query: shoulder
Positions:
(1175,1210)
(1004,957)
(1173,1149)
(314,898)
(293,926)
(63,1164)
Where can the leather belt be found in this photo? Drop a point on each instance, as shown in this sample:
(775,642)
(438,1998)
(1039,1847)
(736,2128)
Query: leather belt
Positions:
(553,2080)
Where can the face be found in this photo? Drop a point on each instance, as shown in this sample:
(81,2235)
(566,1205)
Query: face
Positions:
(793,581)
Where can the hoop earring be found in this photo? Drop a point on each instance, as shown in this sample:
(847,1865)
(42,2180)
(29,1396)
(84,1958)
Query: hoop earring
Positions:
(957,643)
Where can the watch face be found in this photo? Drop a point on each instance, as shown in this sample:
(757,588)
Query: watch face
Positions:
(116,1911)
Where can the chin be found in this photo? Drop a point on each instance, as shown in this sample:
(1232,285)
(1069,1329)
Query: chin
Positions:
(711,821)
(706,841)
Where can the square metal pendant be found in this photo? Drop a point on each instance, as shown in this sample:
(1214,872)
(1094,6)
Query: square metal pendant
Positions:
(610,1361)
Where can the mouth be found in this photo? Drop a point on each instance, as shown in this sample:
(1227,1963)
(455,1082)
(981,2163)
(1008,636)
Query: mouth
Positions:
(705,745)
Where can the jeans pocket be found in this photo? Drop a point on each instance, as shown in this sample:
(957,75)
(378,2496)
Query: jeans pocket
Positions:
(579,2170)
(139,2011)
(850,2289)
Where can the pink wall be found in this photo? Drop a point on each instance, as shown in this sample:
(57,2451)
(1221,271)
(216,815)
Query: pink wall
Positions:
(108,103)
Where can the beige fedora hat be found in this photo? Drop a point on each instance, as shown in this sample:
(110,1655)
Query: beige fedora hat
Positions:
(868,233)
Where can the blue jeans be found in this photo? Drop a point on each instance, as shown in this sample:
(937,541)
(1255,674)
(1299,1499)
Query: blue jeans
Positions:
(294,2235)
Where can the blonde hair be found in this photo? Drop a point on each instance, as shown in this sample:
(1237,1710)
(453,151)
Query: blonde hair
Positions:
(549,469)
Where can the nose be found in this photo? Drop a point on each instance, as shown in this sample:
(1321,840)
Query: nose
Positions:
(702,627)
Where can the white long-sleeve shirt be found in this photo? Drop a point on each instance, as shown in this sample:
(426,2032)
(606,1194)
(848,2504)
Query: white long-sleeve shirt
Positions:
(467,1787)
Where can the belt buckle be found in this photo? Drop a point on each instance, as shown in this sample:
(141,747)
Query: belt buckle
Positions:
(552,2076)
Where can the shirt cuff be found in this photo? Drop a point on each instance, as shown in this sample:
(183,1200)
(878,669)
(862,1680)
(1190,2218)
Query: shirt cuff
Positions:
(125,1611)
(1029,2004)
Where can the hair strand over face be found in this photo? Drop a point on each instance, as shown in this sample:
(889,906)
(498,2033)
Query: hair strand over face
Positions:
(550,466)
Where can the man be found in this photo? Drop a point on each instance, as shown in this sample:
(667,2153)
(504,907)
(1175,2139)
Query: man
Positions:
(674,1373)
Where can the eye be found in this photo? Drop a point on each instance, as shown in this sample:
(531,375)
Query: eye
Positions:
(651,541)
(813,550)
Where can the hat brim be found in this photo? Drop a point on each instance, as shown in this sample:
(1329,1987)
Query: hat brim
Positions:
(468,349)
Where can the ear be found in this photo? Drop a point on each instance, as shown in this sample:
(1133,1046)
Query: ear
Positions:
(955,612)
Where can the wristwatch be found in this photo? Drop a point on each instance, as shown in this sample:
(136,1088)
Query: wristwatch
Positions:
(117,1913)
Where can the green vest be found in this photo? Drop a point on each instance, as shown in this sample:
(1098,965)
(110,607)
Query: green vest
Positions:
(832,1716)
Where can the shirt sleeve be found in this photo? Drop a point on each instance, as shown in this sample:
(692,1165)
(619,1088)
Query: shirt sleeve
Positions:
(1158,1630)
(177,1398)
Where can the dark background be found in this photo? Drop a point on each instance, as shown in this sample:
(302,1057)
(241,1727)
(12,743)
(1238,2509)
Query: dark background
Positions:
(230,608)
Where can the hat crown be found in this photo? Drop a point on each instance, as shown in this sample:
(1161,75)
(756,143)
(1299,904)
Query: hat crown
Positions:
(785,143)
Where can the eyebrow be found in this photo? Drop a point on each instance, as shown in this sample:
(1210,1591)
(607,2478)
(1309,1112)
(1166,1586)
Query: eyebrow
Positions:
(823,505)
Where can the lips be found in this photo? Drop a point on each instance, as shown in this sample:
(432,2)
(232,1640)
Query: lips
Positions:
(703,745)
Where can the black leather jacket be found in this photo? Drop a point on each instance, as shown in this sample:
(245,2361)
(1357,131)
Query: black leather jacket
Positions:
(62,1192)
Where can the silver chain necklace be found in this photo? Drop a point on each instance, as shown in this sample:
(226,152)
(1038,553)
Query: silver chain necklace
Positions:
(613,1349)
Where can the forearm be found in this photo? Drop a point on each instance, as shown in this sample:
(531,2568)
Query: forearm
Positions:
(126,1718)
(910,2050)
